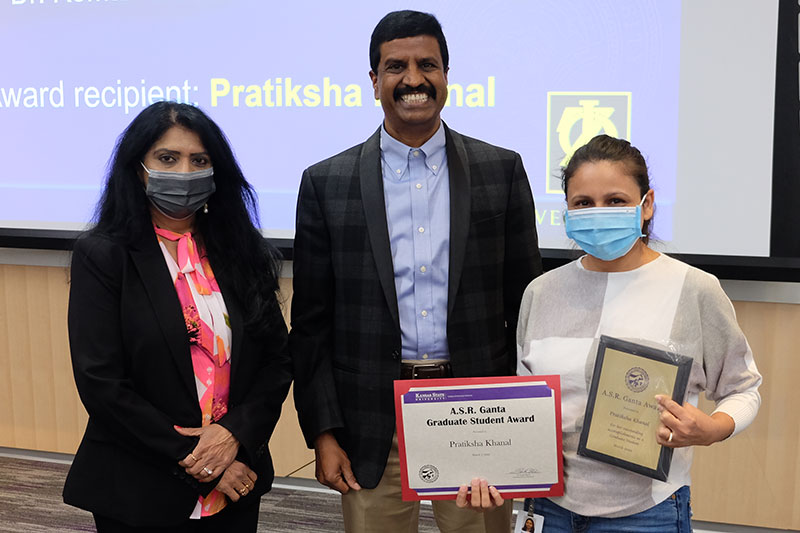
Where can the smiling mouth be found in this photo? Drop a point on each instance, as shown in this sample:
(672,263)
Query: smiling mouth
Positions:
(415,98)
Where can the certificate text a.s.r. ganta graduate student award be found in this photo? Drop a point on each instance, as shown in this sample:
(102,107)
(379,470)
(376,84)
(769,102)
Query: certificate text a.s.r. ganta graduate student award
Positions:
(504,429)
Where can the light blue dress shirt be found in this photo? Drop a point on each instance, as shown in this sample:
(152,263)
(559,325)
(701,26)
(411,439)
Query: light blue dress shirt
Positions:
(416,189)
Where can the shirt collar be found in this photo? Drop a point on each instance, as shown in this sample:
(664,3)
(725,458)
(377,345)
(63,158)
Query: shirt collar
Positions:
(396,154)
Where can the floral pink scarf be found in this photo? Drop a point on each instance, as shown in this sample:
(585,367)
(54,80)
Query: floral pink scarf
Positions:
(209,335)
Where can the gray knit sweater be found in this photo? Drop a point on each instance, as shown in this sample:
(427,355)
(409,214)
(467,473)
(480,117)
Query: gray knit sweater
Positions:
(665,303)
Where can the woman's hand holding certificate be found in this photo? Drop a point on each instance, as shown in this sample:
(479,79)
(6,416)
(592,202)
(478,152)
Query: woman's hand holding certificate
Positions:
(479,496)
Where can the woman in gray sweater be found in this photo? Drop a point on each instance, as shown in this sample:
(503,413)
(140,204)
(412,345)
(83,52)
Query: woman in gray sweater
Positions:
(623,288)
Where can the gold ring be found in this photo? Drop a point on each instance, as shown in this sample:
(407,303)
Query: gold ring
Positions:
(246,484)
(193,457)
(243,491)
(207,470)
(670,437)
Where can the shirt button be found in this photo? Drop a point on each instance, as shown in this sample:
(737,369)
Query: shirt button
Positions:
(419,185)
(424,356)
(416,153)
(421,229)
(209,382)
(423,269)
(209,369)
(208,417)
(399,171)
(434,167)
(424,313)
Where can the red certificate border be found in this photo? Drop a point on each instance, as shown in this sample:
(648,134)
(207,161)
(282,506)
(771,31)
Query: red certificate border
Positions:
(403,386)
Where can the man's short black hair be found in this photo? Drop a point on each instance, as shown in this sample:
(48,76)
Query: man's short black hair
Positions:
(402,24)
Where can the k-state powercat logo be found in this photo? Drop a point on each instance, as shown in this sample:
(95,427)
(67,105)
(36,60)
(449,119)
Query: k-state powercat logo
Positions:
(573,118)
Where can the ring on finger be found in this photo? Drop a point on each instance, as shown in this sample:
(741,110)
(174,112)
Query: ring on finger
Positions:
(243,491)
(193,457)
(670,437)
(207,470)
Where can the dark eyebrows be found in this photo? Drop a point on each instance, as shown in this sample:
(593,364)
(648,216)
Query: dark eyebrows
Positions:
(617,194)
(607,196)
(391,61)
(579,197)
(160,151)
(422,61)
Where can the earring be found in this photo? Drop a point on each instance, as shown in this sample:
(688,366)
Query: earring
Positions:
(205,209)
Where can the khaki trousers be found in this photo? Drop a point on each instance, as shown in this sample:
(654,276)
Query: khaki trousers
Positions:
(382,509)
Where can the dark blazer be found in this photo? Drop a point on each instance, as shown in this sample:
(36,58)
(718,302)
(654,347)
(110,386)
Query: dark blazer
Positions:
(345,338)
(130,356)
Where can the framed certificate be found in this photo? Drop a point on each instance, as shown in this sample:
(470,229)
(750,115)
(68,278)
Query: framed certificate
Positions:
(504,429)
(622,414)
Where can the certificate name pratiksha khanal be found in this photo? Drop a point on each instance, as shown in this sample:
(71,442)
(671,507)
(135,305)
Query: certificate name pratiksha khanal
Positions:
(479,443)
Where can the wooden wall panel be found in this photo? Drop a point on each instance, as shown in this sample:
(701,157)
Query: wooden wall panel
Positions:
(753,479)
(288,448)
(70,414)
(7,429)
(43,411)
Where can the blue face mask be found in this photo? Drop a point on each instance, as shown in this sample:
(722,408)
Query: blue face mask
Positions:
(606,233)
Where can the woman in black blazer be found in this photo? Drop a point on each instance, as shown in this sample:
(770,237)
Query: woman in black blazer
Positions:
(177,340)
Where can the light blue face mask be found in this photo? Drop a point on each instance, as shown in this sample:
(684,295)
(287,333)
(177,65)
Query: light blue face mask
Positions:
(606,233)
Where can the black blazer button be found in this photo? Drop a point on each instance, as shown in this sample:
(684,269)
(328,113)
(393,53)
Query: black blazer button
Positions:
(396,355)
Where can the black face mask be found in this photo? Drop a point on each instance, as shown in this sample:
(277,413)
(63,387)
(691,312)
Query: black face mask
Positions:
(179,194)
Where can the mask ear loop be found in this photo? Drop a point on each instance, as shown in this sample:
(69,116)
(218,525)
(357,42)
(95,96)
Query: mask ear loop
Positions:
(144,187)
(641,204)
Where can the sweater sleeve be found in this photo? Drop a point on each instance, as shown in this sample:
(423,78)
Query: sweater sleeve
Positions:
(732,379)
(522,327)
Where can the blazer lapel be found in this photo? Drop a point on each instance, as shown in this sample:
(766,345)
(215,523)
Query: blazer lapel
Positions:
(149,261)
(371,177)
(460,195)
(236,321)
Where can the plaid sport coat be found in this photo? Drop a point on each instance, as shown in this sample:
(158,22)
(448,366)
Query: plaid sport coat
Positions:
(345,337)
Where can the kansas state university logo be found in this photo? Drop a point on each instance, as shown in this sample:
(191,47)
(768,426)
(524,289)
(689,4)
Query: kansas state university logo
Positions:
(637,379)
(429,473)
(573,118)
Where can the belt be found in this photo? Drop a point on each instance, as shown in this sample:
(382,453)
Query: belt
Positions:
(425,370)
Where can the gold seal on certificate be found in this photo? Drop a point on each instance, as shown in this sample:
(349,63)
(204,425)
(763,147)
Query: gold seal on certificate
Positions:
(506,430)
(621,412)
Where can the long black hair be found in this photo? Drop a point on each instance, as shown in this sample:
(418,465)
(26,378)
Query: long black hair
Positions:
(236,249)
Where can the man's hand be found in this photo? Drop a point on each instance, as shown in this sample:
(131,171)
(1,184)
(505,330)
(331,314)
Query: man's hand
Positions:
(237,481)
(333,466)
(215,451)
(482,498)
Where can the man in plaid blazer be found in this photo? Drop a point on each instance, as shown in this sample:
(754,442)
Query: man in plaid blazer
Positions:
(411,254)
